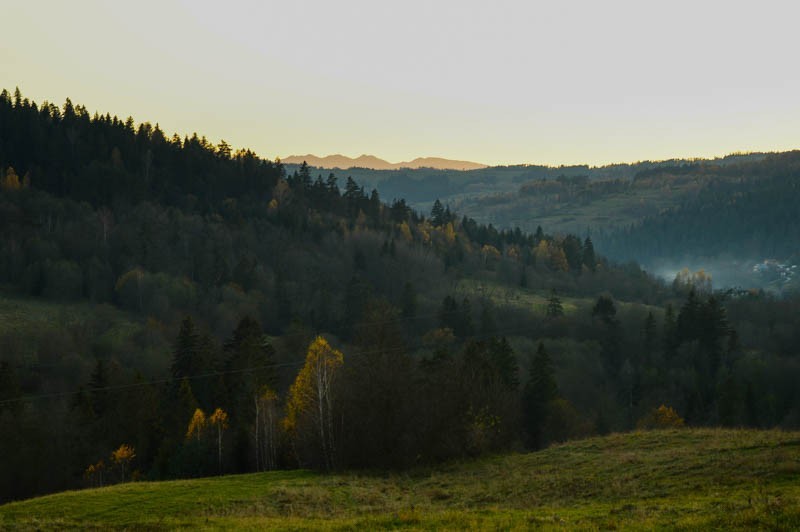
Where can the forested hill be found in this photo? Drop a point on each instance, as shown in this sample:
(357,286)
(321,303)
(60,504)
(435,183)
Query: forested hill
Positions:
(105,160)
(746,211)
(167,304)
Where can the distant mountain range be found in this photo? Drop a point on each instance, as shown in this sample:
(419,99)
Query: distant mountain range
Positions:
(374,163)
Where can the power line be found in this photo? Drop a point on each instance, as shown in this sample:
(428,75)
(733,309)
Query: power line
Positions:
(139,384)
(301,334)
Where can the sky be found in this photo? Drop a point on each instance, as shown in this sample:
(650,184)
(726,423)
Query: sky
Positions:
(495,82)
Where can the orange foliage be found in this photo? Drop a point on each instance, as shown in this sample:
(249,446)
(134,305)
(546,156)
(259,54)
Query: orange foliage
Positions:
(663,417)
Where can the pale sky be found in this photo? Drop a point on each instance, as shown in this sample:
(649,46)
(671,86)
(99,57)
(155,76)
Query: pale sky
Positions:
(498,82)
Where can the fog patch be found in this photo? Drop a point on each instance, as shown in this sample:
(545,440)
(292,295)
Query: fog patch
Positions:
(763,273)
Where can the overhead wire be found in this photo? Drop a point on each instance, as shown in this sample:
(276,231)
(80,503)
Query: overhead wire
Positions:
(138,384)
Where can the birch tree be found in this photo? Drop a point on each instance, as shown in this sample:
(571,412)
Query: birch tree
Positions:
(310,407)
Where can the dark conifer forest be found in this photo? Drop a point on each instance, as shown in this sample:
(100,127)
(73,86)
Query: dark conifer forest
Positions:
(172,307)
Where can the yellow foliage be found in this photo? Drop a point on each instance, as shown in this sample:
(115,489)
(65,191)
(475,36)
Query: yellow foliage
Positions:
(557,260)
(424,233)
(551,254)
(281,192)
(197,424)
(406,231)
(135,274)
(125,453)
(94,469)
(11,180)
(449,232)
(313,384)
(542,251)
(663,417)
(490,251)
(267,394)
(699,280)
(439,337)
(219,419)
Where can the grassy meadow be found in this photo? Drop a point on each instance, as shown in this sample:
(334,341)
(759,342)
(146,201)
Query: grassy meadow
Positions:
(691,478)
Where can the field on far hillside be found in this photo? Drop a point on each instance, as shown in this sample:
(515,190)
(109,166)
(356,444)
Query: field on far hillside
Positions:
(698,478)
(40,334)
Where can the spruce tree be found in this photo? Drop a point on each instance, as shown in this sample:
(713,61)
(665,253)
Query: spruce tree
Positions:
(504,362)
(671,341)
(649,334)
(185,352)
(540,390)
(554,307)
(437,214)
(589,258)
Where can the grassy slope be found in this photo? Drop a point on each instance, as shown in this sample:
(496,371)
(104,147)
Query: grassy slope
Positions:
(29,320)
(536,300)
(687,478)
(32,314)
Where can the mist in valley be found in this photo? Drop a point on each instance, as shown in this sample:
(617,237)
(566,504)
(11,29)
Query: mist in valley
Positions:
(753,273)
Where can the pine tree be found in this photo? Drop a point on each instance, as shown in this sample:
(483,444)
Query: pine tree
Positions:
(671,341)
(437,214)
(604,309)
(689,318)
(714,330)
(589,258)
(540,390)
(649,334)
(504,362)
(185,353)
(332,185)
(250,365)
(554,307)
(538,236)
(304,176)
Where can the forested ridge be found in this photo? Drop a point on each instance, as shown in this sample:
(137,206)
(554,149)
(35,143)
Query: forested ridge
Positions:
(743,211)
(223,315)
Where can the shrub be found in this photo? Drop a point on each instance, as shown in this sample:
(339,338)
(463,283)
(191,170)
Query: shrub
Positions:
(663,417)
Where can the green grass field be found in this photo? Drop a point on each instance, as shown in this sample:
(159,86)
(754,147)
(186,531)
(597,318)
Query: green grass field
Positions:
(708,479)
(31,314)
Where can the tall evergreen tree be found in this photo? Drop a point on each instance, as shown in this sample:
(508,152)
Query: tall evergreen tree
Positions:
(185,354)
(650,333)
(437,213)
(540,390)
(589,257)
(554,307)
(671,340)
(504,361)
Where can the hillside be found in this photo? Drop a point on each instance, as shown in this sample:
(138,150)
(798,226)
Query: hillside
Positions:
(156,287)
(374,163)
(731,479)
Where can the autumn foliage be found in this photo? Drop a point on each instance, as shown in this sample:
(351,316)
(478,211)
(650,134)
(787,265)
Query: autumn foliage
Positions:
(197,425)
(311,402)
(663,417)
(122,458)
